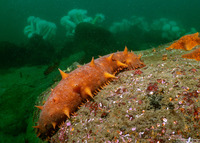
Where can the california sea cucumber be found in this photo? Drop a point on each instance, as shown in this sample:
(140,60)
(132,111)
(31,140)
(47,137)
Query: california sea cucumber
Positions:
(78,86)
(187,42)
(193,55)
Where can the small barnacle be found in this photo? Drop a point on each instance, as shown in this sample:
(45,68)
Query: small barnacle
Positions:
(133,129)
(164,119)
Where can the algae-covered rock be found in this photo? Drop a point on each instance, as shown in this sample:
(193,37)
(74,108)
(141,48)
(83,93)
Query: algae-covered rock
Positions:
(156,103)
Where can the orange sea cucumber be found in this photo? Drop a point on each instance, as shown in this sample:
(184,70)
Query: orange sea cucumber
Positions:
(78,86)
(193,55)
(187,42)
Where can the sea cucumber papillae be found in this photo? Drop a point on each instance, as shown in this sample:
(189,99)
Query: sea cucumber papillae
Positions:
(78,86)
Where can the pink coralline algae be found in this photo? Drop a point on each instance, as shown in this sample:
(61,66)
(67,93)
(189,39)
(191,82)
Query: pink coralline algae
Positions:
(139,72)
(152,87)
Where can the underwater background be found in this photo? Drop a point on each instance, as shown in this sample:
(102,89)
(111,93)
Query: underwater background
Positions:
(14,13)
(38,36)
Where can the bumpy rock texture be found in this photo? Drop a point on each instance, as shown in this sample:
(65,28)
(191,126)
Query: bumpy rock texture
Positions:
(159,102)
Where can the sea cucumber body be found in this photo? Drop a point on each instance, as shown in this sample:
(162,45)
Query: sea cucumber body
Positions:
(193,55)
(77,87)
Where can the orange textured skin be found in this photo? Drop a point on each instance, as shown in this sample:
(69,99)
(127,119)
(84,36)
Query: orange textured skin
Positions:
(71,91)
(187,42)
(193,55)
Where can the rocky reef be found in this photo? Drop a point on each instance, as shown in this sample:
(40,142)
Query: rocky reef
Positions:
(159,102)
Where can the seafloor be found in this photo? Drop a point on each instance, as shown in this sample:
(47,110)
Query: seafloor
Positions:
(157,103)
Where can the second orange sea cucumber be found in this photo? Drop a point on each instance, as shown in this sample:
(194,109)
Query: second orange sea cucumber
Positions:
(187,42)
(193,55)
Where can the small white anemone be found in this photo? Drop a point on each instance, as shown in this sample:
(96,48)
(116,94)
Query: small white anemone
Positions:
(76,16)
(99,18)
(41,27)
